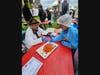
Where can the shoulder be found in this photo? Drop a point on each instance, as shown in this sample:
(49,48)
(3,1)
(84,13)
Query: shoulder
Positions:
(62,32)
(73,30)
(29,30)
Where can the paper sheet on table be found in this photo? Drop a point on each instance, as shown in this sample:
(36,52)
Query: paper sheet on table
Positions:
(50,30)
(31,67)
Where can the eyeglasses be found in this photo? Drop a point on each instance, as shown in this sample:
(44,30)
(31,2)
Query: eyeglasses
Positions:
(35,24)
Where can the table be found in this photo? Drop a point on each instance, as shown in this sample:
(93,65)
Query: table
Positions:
(58,63)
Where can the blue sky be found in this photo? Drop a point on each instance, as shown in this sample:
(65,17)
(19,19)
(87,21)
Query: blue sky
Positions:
(74,2)
(47,3)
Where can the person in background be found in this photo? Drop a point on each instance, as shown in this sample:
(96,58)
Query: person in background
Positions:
(72,13)
(34,34)
(55,14)
(65,7)
(69,34)
(42,15)
(26,12)
(49,16)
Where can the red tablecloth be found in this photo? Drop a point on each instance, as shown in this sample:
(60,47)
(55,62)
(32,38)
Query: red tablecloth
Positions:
(58,63)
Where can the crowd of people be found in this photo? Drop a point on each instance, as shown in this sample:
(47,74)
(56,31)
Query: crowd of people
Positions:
(35,32)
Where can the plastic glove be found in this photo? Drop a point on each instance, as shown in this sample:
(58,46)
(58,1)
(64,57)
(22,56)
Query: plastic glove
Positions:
(51,40)
(44,39)
(51,35)
(63,43)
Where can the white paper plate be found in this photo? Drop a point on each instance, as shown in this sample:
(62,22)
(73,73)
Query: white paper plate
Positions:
(43,54)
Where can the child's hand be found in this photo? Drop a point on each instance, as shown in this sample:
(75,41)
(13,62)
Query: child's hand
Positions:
(44,39)
(64,39)
(63,43)
(49,33)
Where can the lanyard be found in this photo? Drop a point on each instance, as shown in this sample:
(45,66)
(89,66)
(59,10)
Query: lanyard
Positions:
(35,32)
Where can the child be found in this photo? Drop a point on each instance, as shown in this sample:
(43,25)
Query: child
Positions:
(69,34)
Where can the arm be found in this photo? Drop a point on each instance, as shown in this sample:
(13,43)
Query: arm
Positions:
(58,38)
(72,37)
(65,43)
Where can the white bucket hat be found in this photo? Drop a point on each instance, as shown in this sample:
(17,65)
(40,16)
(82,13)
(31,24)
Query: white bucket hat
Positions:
(65,20)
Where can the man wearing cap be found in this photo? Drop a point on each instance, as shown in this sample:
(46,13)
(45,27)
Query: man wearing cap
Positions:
(33,34)
(69,34)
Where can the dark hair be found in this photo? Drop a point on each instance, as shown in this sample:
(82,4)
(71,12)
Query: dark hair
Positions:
(40,6)
(33,21)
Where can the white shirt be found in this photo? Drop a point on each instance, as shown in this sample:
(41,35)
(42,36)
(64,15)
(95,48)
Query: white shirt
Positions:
(31,39)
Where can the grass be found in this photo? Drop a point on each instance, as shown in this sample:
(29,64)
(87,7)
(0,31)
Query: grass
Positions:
(54,23)
(24,27)
(37,18)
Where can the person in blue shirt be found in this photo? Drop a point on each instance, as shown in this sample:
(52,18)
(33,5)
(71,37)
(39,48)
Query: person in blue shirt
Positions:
(75,23)
(69,34)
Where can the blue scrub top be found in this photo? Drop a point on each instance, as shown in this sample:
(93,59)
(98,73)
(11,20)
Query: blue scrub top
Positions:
(72,38)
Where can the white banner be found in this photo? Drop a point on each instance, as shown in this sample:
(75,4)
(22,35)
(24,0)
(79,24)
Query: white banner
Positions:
(48,3)
(34,12)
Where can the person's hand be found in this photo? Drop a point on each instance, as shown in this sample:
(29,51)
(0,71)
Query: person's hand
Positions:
(63,43)
(65,39)
(51,40)
(51,35)
(44,39)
